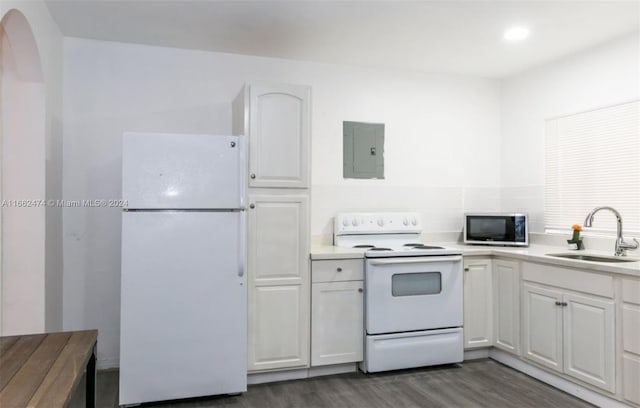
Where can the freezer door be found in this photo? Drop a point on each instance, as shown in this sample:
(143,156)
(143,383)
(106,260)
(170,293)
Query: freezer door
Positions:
(183,305)
(181,171)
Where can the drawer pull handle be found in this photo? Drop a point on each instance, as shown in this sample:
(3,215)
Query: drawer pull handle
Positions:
(339,269)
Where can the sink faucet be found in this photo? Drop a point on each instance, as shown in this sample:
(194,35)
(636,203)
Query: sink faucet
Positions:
(621,245)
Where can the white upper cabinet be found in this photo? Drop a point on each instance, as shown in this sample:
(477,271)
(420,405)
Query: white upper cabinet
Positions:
(277,120)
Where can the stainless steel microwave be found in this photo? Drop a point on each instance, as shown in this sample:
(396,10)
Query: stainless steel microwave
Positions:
(505,229)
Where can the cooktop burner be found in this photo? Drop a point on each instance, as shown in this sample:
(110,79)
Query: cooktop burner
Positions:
(426,247)
(363,246)
(380,249)
(413,244)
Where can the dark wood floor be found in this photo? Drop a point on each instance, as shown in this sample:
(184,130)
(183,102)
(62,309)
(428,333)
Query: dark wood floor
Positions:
(482,383)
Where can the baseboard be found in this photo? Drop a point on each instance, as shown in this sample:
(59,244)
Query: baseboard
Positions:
(107,364)
(476,354)
(274,376)
(555,381)
(333,369)
(299,374)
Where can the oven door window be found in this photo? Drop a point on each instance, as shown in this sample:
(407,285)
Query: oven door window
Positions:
(416,284)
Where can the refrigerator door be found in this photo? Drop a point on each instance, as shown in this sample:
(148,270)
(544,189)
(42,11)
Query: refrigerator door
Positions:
(181,171)
(183,305)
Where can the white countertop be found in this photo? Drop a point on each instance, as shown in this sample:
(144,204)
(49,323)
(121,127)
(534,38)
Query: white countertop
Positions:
(532,253)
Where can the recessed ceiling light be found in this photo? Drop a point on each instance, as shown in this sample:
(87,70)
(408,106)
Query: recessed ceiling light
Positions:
(517,33)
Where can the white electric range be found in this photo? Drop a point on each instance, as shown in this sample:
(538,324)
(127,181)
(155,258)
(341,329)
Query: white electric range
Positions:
(413,291)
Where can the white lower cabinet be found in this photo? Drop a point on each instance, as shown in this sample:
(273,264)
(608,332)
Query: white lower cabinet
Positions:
(278,329)
(337,312)
(478,303)
(278,282)
(569,332)
(631,340)
(542,326)
(589,340)
(506,305)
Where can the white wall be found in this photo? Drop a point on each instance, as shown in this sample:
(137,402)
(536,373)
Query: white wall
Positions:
(442,134)
(599,77)
(32,285)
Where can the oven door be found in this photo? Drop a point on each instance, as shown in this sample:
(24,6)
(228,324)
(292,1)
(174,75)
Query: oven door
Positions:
(413,293)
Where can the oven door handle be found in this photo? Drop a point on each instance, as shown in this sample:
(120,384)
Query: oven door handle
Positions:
(416,260)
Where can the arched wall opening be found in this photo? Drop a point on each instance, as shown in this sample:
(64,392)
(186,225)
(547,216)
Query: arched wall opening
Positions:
(22,176)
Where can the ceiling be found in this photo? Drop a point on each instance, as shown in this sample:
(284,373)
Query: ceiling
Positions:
(463,37)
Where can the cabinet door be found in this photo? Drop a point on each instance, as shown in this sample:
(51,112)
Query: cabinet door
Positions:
(631,378)
(506,281)
(631,340)
(337,326)
(278,275)
(589,337)
(478,311)
(542,326)
(279,117)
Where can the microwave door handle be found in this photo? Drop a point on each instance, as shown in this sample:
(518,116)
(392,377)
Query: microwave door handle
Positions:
(418,260)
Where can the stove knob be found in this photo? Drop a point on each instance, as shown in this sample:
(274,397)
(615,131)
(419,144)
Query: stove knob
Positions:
(414,221)
(354,222)
(380,222)
(405,221)
(345,222)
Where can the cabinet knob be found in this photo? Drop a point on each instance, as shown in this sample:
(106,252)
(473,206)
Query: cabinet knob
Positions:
(253,175)
(466,269)
(559,303)
(360,290)
(339,269)
(252,206)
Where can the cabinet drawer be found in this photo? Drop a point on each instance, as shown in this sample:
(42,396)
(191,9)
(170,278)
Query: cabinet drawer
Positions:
(337,270)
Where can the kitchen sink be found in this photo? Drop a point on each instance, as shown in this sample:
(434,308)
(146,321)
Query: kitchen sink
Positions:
(594,258)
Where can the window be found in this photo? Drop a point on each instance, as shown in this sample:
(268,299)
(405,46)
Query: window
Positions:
(414,284)
(593,159)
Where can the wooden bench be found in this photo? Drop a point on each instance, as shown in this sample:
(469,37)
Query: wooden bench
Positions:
(44,370)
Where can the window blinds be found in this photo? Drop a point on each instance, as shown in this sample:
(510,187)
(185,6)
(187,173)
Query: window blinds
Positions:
(593,159)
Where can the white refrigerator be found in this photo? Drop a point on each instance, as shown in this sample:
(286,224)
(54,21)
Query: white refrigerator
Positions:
(183,318)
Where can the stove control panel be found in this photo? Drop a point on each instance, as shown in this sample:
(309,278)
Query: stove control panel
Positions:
(377,223)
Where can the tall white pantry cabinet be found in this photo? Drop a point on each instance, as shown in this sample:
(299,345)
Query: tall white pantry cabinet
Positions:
(276,119)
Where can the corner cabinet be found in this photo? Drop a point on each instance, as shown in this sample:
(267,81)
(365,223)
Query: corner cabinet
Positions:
(278,271)
(276,118)
(478,300)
